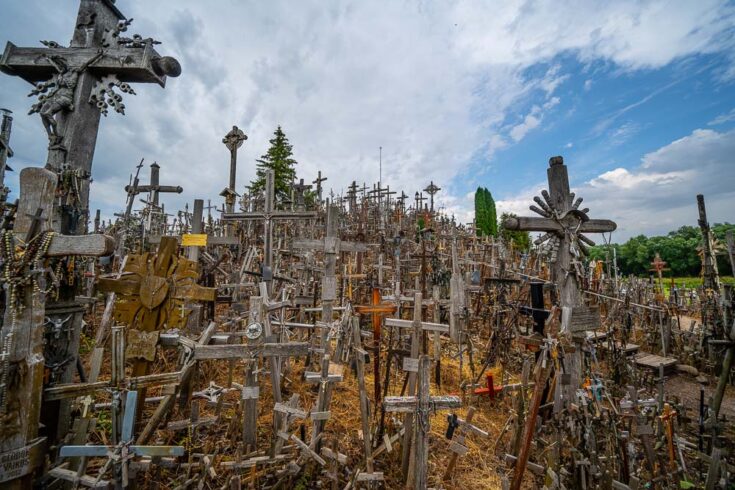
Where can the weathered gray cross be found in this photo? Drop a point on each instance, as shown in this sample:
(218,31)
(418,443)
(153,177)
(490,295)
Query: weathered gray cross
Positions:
(421,406)
(331,245)
(268,215)
(318,182)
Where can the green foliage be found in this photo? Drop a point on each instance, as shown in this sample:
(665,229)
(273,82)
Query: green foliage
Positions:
(521,239)
(679,249)
(486,218)
(279,158)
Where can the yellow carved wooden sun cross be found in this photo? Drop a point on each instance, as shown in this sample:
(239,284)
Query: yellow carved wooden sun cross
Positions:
(153,288)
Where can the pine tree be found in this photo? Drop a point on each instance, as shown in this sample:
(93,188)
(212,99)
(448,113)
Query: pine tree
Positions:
(279,158)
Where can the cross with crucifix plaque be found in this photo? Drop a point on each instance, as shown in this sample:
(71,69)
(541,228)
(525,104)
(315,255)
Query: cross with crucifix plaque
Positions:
(564,225)
(75,85)
(268,215)
(420,407)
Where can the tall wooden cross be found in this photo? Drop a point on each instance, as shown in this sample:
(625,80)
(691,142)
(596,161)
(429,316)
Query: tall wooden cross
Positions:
(154,187)
(421,406)
(233,140)
(377,310)
(76,85)
(318,182)
(564,224)
(411,364)
(268,215)
(5,151)
(22,333)
(432,189)
(331,245)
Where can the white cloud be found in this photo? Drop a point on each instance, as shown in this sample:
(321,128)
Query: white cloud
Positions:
(723,118)
(432,83)
(519,131)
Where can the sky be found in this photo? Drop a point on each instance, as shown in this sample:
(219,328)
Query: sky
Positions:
(638,97)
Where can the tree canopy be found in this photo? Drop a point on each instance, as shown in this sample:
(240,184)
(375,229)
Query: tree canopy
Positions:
(679,249)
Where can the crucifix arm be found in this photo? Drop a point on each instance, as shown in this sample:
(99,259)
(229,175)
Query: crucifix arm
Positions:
(546,225)
(90,61)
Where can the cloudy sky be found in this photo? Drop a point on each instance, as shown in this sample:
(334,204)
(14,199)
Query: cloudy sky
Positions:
(639,98)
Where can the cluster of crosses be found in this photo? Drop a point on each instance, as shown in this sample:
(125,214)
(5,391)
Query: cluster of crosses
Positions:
(199,311)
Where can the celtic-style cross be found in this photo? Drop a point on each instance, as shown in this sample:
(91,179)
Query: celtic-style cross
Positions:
(232,140)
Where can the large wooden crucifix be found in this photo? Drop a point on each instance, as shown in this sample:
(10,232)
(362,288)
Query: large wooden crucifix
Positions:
(268,215)
(76,85)
(564,224)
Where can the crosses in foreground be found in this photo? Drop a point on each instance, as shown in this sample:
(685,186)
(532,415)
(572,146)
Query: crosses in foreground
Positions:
(421,406)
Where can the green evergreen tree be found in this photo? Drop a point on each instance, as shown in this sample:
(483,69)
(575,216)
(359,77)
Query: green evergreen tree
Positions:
(279,158)
(486,221)
(492,213)
(480,214)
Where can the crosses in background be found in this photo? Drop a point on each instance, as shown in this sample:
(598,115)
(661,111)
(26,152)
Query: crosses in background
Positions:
(268,215)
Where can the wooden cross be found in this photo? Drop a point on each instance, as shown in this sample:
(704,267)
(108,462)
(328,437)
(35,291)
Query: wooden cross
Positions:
(22,332)
(325,379)
(377,311)
(432,189)
(233,140)
(331,245)
(411,365)
(318,181)
(121,454)
(77,82)
(359,355)
(5,150)
(461,429)
(152,293)
(421,406)
(564,225)
(419,198)
(299,190)
(268,215)
(154,187)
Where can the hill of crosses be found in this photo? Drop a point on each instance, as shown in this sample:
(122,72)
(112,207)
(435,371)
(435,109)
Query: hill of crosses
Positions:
(298,339)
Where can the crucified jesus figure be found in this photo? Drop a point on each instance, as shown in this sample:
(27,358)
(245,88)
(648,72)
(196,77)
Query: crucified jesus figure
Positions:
(60,94)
